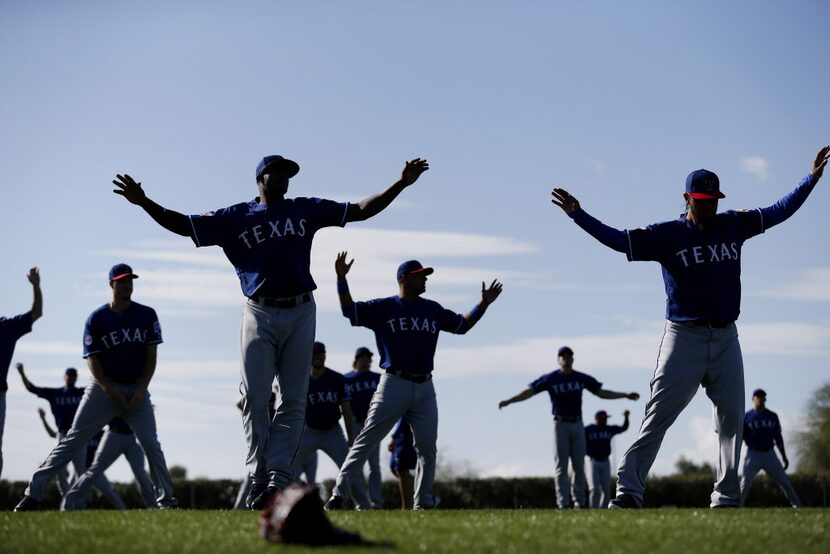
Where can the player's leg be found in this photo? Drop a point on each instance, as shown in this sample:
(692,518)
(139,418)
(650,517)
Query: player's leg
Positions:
(604,478)
(577,440)
(244,488)
(724,383)
(293,361)
(772,465)
(310,469)
(336,447)
(136,458)
(359,481)
(375,478)
(107,452)
(681,364)
(752,466)
(309,444)
(94,412)
(259,368)
(423,419)
(105,488)
(594,483)
(142,421)
(2,426)
(561,455)
(390,401)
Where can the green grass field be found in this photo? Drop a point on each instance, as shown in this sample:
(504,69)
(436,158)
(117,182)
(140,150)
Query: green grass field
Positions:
(460,532)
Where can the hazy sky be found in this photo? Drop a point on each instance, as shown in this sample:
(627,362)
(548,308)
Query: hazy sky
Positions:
(615,101)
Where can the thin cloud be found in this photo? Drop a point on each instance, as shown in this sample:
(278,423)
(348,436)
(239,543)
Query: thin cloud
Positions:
(757,166)
(811,285)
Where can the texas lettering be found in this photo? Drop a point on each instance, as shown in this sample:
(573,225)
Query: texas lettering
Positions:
(272,230)
(711,253)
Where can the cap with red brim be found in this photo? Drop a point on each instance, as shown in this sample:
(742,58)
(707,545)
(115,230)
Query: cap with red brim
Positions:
(412,267)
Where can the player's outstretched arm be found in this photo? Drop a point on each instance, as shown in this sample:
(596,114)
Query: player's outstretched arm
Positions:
(49,431)
(610,237)
(26,383)
(524,395)
(37,301)
(613,395)
(488,296)
(341,267)
(98,374)
(373,205)
(174,222)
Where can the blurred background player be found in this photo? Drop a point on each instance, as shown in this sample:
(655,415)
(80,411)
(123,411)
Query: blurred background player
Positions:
(762,431)
(565,386)
(598,437)
(327,400)
(361,384)
(11,329)
(403,460)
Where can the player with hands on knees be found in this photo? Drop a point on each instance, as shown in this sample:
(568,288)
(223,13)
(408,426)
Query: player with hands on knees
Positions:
(268,240)
(700,257)
(565,386)
(406,328)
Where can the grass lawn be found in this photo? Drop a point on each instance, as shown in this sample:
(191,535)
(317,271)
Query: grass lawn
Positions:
(459,532)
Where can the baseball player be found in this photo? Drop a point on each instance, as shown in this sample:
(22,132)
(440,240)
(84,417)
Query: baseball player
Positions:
(63,402)
(327,399)
(11,329)
(361,384)
(117,440)
(403,460)
(762,431)
(565,387)
(700,255)
(120,342)
(406,329)
(598,437)
(268,241)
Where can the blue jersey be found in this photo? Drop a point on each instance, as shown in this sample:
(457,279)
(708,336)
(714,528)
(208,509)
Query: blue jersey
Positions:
(63,402)
(325,396)
(11,329)
(565,391)
(406,332)
(762,430)
(120,340)
(118,425)
(270,246)
(361,385)
(403,450)
(598,439)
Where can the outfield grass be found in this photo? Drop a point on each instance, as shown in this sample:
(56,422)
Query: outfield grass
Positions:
(459,532)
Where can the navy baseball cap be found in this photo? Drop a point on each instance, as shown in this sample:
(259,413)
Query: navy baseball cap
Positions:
(318,347)
(413,266)
(702,184)
(121,271)
(362,351)
(71,371)
(759,392)
(565,350)
(277,164)
(601,413)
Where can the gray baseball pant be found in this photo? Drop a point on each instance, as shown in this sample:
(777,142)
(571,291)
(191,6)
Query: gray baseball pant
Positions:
(309,470)
(599,482)
(395,397)
(375,478)
(691,356)
(79,463)
(754,462)
(333,442)
(276,343)
(569,444)
(113,445)
(94,412)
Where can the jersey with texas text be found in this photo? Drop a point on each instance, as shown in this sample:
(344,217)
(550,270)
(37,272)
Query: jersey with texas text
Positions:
(762,430)
(119,340)
(406,331)
(565,391)
(361,386)
(325,396)
(270,246)
(598,440)
(63,402)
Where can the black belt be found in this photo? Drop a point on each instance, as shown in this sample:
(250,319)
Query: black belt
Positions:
(605,459)
(712,323)
(414,377)
(567,419)
(283,303)
(761,449)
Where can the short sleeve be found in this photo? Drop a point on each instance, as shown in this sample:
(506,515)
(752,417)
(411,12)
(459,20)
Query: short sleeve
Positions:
(328,213)
(644,244)
(592,384)
(365,314)
(212,228)
(452,322)
(92,343)
(18,325)
(751,223)
(540,384)
(153,328)
(43,392)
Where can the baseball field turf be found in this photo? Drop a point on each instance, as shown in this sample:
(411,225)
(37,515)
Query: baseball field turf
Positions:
(459,532)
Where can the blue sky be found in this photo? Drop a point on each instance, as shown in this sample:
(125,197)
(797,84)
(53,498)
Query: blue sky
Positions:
(617,102)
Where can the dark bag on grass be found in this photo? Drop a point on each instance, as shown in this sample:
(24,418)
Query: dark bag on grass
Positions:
(296,515)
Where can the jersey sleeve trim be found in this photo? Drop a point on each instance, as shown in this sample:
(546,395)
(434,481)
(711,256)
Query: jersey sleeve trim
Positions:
(92,353)
(630,248)
(193,228)
(761,215)
(345,213)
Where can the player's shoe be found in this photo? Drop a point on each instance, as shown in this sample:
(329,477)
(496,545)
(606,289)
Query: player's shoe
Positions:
(436,501)
(28,504)
(261,501)
(335,503)
(256,490)
(623,502)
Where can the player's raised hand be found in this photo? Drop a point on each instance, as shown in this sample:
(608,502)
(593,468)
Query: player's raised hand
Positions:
(492,292)
(34,276)
(129,189)
(564,200)
(504,404)
(820,162)
(19,367)
(626,413)
(340,265)
(633,396)
(412,170)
